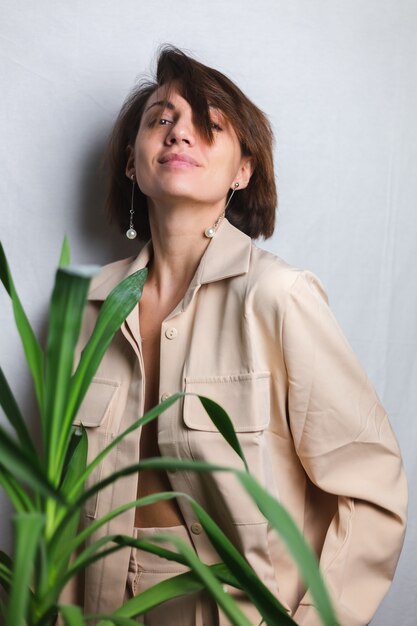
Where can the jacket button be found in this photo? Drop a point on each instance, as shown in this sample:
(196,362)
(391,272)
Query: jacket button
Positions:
(196,528)
(165,396)
(171,333)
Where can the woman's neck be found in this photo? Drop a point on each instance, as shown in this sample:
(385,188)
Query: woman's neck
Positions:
(178,244)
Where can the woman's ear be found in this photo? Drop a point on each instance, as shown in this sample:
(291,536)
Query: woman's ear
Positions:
(245,172)
(130,163)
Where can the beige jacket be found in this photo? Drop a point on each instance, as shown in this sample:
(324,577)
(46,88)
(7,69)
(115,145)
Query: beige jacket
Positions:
(258,337)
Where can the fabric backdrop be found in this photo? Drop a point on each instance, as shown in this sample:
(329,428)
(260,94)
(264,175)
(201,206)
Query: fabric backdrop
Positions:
(338,81)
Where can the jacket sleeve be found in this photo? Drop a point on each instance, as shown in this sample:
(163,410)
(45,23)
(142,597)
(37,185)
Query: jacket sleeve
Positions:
(345,443)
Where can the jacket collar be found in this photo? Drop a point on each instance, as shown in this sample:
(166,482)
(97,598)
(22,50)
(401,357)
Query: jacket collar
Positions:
(227,255)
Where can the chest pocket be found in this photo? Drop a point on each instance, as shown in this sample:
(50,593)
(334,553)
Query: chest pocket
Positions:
(245,397)
(95,414)
(95,409)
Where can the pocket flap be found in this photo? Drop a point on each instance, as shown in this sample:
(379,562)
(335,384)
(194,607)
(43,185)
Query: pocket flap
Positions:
(97,403)
(245,397)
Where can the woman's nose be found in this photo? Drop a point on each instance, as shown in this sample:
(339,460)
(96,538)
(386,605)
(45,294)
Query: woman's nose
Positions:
(181,132)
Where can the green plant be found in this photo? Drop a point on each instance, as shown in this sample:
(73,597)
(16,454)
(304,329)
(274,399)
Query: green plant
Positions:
(46,485)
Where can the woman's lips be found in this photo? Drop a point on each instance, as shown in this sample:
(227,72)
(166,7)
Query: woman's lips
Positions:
(178,161)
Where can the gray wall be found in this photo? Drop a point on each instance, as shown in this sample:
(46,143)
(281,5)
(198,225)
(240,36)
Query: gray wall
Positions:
(338,80)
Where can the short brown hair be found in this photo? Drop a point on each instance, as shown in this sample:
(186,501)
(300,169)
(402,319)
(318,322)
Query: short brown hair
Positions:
(252,209)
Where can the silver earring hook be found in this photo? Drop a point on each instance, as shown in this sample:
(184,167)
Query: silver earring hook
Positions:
(235,186)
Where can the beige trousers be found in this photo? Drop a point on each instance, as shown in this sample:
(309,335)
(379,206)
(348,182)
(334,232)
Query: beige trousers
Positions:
(146,570)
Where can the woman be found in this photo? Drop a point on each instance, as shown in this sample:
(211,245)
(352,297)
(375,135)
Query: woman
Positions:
(191,168)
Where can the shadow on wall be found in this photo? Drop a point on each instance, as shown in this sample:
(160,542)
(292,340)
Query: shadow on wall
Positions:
(101,240)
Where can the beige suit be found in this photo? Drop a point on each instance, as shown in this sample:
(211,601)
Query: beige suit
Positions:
(258,337)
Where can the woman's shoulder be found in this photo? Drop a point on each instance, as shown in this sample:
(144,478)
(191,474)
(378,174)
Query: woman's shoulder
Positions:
(271,277)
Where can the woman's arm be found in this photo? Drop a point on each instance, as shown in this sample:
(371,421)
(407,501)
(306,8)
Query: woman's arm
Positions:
(347,448)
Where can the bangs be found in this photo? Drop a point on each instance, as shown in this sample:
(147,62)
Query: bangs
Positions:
(201,89)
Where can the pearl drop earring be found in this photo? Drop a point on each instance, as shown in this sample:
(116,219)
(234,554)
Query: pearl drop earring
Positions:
(211,231)
(131,232)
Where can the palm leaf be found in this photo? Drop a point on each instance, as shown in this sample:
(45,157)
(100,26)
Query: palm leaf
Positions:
(6,566)
(13,414)
(22,466)
(111,620)
(67,532)
(66,310)
(28,528)
(76,462)
(224,425)
(31,347)
(56,562)
(16,493)
(72,615)
(65,256)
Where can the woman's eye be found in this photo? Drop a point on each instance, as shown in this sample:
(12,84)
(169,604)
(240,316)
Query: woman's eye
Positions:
(161,121)
(215,126)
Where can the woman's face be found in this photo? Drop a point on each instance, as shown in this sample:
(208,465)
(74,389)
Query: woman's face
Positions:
(172,161)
